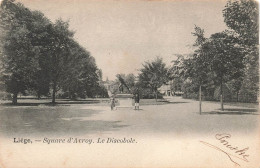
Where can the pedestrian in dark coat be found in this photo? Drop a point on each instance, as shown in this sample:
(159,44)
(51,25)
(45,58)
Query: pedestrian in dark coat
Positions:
(137,99)
(112,103)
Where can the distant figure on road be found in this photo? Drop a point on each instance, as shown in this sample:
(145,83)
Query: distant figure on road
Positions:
(112,102)
(137,99)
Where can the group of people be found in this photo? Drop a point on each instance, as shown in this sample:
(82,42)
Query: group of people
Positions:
(136,98)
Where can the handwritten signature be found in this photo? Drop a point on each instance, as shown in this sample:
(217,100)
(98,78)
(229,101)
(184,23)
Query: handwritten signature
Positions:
(232,151)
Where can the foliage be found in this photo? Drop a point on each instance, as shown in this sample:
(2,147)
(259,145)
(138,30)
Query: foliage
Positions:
(225,62)
(153,75)
(19,53)
(39,55)
(242,16)
(177,73)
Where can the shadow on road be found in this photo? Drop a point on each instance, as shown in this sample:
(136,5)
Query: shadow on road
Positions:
(61,121)
(234,111)
(161,103)
(177,102)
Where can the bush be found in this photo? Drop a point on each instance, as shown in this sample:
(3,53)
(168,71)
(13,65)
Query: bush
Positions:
(151,96)
(5,96)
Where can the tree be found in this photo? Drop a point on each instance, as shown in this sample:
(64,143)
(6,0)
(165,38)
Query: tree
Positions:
(39,55)
(100,74)
(242,16)
(20,54)
(236,85)
(218,59)
(40,38)
(226,58)
(154,74)
(102,91)
(90,77)
(80,76)
(176,73)
(200,62)
(196,66)
(58,48)
(130,80)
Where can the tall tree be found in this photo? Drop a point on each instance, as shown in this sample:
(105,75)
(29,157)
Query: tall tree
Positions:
(130,80)
(40,39)
(176,73)
(91,77)
(226,59)
(60,36)
(20,54)
(38,55)
(80,76)
(195,67)
(242,16)
(154,74)
(200,65)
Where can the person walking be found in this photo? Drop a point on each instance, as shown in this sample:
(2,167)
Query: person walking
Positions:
(137,99)
(112,103)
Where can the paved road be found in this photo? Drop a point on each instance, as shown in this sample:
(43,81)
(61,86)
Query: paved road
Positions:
(166,135)
(182,117)
(179,117)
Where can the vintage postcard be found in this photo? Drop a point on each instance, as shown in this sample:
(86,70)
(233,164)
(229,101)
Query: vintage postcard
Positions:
(129,84)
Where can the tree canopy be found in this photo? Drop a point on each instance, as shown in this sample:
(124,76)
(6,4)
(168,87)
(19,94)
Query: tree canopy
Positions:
(154,74)
(41,56)
(227,61)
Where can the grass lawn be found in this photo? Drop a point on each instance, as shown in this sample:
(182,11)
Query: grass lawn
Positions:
(97,101)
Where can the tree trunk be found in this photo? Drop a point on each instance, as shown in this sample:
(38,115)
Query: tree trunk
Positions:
(54,92)
(69,95)
(14,101)
(221,96)
(73,97)
(38,95)
(200,98)
(156,96)
(237,95)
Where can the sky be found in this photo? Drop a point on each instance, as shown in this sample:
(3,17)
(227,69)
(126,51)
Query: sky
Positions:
(122,34)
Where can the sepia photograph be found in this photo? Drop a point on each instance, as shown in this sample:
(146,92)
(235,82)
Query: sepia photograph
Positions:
(129,84)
